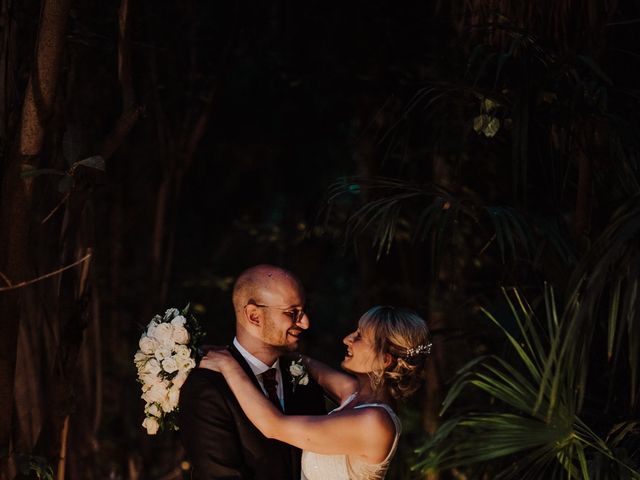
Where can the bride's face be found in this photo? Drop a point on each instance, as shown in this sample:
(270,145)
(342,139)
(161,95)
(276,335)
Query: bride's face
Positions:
(361,356)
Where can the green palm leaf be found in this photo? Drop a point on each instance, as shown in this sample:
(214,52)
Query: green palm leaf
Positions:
(537,393)
(607,279)
(393,208)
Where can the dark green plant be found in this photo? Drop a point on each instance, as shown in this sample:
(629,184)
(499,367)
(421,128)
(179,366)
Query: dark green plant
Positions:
(535,429)
(29,465)
(398,208)
(608,277)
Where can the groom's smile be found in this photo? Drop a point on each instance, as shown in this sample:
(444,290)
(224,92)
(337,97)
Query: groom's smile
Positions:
(279,331)
(294,333)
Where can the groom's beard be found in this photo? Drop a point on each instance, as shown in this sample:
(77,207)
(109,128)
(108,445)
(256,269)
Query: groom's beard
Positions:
(283,341)
(292,344)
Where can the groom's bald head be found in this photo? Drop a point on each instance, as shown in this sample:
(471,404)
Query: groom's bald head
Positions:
(263,284)
(269,303)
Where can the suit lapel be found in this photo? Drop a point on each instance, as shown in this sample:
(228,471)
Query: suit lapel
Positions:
(245,366)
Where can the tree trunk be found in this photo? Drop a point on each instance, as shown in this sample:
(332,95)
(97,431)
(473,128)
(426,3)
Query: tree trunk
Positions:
(15,208)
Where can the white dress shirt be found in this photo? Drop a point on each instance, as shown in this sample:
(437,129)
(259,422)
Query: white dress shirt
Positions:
(258,367)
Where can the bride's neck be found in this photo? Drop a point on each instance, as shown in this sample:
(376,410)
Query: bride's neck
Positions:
(366,393)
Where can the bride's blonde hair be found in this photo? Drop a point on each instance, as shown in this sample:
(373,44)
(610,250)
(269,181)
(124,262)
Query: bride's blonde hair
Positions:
(404,335)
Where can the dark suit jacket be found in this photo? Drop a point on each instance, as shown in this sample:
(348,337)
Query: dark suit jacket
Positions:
(220,440)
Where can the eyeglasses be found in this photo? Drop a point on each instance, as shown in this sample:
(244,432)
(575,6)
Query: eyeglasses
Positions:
(296,314)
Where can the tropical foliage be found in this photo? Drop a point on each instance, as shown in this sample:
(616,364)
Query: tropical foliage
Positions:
(540,187)
(534,430)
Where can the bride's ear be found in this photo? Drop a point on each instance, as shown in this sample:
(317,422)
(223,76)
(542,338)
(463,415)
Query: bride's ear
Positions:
(253,315)
(387,359)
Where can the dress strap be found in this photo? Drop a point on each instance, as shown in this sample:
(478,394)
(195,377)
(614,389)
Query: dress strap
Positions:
(345,403)
(396,423)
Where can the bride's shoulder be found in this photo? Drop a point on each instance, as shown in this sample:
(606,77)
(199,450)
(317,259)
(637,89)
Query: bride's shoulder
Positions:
(375,419)
(380,430)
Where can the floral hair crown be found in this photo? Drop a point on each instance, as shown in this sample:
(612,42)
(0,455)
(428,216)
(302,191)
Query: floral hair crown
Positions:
(417,350)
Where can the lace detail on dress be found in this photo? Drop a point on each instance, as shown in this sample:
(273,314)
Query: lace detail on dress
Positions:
(339,467)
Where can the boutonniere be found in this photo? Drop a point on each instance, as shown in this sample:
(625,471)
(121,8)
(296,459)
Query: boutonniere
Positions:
(299,375)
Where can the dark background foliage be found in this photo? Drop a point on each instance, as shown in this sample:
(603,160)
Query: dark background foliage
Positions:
(343,141)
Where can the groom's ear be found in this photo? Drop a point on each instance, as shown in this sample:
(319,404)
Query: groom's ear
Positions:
(253,315)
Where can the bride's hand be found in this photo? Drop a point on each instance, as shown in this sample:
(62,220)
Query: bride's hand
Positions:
(217,360)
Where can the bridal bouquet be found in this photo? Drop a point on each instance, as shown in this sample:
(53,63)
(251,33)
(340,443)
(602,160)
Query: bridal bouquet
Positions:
(166,356)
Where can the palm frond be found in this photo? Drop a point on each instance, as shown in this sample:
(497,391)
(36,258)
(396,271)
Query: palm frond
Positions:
(429,212)
(608,279)
(537,393)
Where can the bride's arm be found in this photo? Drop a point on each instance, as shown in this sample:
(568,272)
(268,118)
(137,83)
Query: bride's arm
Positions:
(367,433)
(338,385)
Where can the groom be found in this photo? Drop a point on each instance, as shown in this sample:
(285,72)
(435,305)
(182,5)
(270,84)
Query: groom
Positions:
(219,439)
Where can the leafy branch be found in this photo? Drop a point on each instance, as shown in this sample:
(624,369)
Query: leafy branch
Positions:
(67,181)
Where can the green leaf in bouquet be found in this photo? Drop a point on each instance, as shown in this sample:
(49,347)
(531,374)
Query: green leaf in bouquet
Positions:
(168,376)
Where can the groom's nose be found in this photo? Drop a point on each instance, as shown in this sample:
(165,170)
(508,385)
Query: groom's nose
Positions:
(303,322)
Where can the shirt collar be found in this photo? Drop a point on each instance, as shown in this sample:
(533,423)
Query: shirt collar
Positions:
(257,366)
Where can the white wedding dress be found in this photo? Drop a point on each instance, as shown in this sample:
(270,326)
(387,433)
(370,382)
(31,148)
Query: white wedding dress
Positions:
(339,467)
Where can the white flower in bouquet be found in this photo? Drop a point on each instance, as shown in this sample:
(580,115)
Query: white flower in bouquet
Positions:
(151,424)
(162,352)
(140,358)
(149,380)
(156,393)
(182,351)
(163,333)
(147,344)
(179,379)
(153,410)
(152,366)
(166,355)
(186,364)
(169,365)
(170,402)
(180,335)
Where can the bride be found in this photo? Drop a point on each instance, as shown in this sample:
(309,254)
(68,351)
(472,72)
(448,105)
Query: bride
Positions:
(356,441)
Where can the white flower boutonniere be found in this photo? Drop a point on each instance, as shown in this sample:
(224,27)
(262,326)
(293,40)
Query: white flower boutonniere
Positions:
(299,375)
